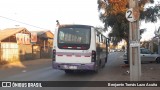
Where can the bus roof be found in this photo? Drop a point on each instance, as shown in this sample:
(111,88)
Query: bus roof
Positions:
(75,26)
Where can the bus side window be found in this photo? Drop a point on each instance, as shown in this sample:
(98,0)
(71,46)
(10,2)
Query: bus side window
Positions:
(97,38)
(101,38)
(104,40)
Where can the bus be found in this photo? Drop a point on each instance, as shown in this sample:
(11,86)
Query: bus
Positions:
(79,47)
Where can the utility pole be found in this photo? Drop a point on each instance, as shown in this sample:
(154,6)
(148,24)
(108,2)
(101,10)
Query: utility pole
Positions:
(134,41)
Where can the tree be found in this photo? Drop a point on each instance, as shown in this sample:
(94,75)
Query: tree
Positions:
(145,44)
(100,29)
(114,16)
(123,48)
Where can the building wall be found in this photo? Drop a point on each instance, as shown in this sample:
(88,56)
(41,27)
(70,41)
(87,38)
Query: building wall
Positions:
(12,51)
(9,52)
(36,51)
(46,53)
(25,52)
(45,47)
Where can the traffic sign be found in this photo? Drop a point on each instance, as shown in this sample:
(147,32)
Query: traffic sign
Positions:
(132,14)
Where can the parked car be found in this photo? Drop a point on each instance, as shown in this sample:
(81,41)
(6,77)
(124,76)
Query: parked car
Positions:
(112,50)
(146,56)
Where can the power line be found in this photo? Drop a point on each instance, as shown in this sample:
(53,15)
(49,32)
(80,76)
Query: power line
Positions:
(22,22)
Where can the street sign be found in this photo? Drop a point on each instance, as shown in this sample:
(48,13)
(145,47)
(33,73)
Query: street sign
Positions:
(134,44)
(132,14)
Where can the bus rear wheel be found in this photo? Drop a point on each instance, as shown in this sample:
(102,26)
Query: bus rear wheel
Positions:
(96,69)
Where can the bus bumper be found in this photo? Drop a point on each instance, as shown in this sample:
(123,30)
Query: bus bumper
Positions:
(73,66)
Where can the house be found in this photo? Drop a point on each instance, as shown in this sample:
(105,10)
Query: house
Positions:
(156,40)
(15,44)
(42,46)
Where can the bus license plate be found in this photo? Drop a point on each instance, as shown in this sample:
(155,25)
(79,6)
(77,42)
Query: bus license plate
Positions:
(70,67)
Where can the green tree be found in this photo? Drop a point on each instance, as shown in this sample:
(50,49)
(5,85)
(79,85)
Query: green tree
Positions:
(114,16)
(145,44)
(123,48)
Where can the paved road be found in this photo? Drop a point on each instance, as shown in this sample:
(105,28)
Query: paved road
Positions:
(41,70)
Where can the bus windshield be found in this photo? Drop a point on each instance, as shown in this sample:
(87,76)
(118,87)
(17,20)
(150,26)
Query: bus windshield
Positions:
(74,38)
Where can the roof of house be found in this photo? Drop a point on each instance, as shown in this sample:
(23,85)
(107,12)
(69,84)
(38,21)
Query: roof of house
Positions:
(45,34)
(9,32)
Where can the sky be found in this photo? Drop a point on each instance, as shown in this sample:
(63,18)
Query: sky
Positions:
(42,14)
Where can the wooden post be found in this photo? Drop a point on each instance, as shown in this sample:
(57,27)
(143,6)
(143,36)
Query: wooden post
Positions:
(134,52)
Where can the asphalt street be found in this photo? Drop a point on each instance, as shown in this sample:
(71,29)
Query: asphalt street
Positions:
(41,70)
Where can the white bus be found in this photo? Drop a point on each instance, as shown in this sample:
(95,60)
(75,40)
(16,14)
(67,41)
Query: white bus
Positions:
(79,47)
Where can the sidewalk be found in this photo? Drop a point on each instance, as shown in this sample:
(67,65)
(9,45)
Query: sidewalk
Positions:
(23,64)
(150,71)
(21,67)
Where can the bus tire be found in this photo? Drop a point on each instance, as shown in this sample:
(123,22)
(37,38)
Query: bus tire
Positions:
(106,60)
(68,71)
(97,68)
(103,65)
